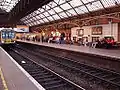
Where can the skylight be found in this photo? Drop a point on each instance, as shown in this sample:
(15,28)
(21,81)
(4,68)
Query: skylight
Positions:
(7,5)
(59,9)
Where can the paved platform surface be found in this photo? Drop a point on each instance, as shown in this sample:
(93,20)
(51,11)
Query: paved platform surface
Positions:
(15,76)
(1,84)
(103,52)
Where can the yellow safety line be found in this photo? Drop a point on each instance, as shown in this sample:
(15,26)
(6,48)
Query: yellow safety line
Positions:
(3,80)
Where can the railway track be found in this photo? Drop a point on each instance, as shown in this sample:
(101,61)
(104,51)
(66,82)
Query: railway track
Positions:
(107,78)
(88,58)
(46,77)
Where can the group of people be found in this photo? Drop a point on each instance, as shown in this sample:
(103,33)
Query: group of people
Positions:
(57,39)
(106,42)
(46,38)
(100,43)
(97,43)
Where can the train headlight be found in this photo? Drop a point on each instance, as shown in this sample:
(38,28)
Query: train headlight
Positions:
(2,41)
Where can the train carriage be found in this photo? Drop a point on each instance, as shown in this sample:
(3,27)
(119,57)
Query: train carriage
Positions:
(7,36)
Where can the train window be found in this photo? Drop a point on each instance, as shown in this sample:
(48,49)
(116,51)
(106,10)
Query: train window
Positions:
(7,35)
(12,35)
(3,35)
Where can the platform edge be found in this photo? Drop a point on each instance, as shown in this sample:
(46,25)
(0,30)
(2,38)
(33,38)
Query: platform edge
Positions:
(24,71)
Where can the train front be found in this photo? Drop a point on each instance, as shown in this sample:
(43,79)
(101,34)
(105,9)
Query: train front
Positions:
(8,36)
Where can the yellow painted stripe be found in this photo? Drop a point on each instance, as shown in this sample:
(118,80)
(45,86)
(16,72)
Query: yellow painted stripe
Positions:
(3,80)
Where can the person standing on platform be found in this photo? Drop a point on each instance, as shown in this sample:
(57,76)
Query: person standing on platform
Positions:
(62,36)
(85,42)
(89,41)
(94,43)
(42,38)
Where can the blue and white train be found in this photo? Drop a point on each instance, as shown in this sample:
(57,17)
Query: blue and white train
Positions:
(7,36)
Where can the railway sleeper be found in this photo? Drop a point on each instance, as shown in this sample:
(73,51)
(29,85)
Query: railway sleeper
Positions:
(53,82)
(40,74)
(36,72)
(56,86)
(47,79)
(44,76)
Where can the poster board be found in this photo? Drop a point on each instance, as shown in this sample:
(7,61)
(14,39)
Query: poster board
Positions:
(80,32)
(97,30)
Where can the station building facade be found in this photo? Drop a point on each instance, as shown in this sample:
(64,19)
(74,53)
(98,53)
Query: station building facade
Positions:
(97,31)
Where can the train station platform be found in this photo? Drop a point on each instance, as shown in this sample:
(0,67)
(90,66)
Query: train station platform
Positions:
(3,85)
(112,53)
(15,76)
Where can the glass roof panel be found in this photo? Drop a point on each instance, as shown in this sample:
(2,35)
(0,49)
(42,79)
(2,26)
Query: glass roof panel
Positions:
(37,11)
(41,10)
(29,24)
(33,14)
(46,14)
(75,3)
(38,22)
(71,12)
(66,6)
(94,6)
(51,11)
(52,4)
(87,1)
(42,21)
(31,19)
(25,22)
(37,17)
(50,18)
(7,5)
(34,23)
(28,21)
(41,15)
(58,9)
(60,1)
(109,3)
(62,15)
(45,20)
(46,7)
(34,18)
(118,1)
(81,10)
(56,17)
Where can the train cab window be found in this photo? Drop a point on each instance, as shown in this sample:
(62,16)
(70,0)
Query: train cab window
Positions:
(7,35)
(12,34)
(3,35)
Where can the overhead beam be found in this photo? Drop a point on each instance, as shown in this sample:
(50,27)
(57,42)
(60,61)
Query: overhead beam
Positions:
(25,7)
(102,12)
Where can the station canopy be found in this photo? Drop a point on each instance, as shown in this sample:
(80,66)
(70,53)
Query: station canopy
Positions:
(59,9)
(7,5)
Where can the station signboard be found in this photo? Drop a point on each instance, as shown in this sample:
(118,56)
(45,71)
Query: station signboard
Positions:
(22,28)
